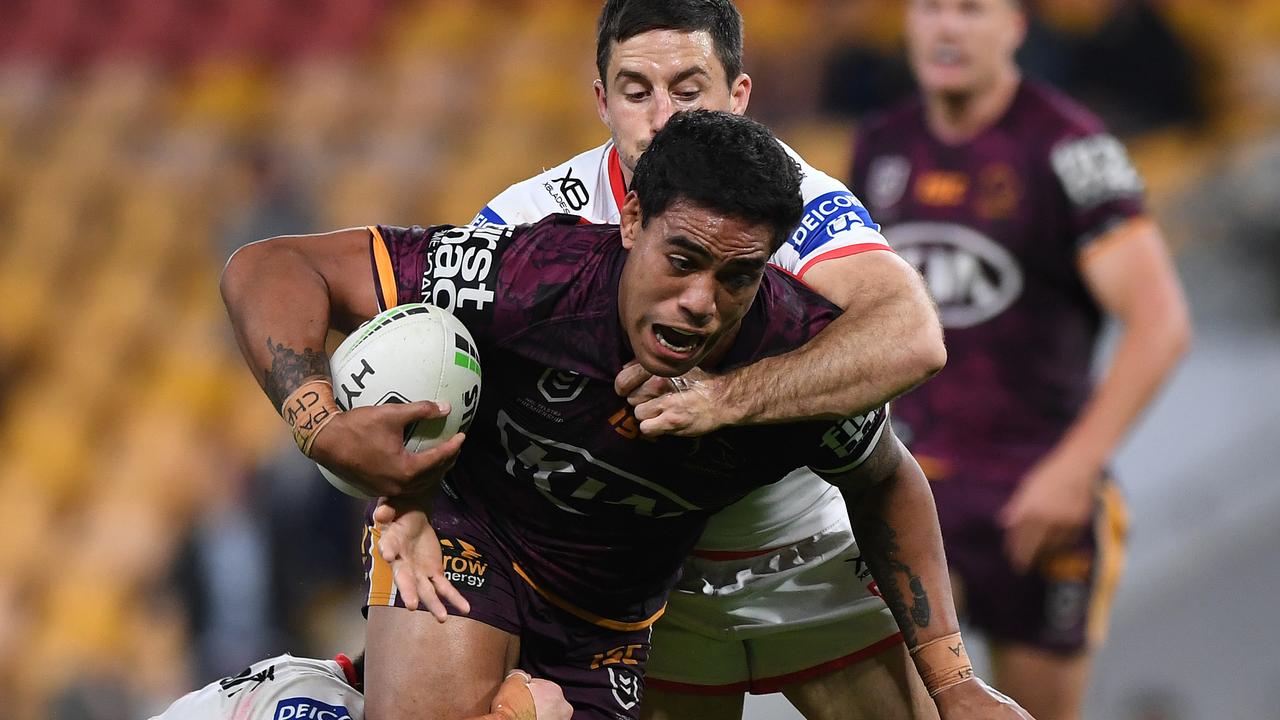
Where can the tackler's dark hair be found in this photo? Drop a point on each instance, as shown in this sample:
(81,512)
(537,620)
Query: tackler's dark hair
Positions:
(624,19)
(722,162)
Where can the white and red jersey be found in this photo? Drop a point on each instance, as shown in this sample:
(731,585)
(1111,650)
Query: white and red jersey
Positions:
(279,688)
(590,185)
(835,224)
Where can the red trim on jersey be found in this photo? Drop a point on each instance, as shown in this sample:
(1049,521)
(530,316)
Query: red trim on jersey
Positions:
(766,686)
(348,669)
(775,684)
(733,554)
(840,252)
(616,182)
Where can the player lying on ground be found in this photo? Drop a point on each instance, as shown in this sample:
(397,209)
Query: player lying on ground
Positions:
(578,526)
(1027,218)
(293,688)
(776,596)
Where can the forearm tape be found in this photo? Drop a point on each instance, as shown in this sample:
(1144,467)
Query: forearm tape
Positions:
(307,410)
(943,663)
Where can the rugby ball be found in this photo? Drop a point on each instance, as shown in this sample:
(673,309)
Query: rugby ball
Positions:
(409,353)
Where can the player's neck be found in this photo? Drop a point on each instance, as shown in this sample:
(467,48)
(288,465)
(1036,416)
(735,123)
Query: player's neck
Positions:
(956,118)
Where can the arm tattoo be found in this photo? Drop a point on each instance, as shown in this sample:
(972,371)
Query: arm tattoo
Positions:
(880,547)
(289,369)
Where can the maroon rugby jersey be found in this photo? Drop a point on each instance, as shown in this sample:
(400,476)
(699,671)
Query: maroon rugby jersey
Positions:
(595,514)
(996,226)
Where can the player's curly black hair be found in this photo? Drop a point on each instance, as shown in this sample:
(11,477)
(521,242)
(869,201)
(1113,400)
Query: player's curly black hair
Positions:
(624,19)
(722,162)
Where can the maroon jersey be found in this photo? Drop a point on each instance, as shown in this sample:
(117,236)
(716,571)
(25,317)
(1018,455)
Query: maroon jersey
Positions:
(996,226)
(592,513)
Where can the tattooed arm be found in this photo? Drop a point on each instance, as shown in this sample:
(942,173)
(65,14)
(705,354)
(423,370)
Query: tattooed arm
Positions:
(896,524)
(283,295)
(891,508)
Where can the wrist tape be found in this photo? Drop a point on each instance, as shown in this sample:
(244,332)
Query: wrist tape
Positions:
(307,410)
(943,663)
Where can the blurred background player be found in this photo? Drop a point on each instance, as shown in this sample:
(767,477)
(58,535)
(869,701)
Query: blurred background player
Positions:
(294,688)
(1026,219)
(776,597)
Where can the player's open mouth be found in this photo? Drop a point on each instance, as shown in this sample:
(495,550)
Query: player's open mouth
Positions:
(677,341)
(948,56)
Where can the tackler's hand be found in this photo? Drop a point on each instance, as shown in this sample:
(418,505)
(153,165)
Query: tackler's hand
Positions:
(410,546)
(686,405)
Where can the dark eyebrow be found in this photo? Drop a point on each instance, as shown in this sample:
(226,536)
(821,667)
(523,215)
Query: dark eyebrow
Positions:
(741,264)
(689,246)
(679,78)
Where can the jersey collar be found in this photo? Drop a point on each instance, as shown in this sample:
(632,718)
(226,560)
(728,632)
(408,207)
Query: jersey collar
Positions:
(616,183)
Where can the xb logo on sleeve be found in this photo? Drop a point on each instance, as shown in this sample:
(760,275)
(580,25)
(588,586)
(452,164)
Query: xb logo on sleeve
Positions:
(569,192)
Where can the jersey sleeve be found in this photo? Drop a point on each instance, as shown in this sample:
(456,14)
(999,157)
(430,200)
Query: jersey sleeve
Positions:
(516,205)
(839,447)
(1102,188)
(835,224)
(455,268)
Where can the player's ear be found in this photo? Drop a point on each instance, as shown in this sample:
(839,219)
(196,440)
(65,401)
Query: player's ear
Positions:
(630,222)
(740,94)
(602,102)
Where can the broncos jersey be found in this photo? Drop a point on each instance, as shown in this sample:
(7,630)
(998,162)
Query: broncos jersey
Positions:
(835,224)
(998,227)
(592,511)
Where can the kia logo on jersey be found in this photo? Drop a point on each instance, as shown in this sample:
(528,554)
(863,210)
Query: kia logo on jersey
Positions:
(971,276)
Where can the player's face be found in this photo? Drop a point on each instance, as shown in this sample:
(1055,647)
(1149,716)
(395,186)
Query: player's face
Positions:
(959,47)
(690,277)
(655,74)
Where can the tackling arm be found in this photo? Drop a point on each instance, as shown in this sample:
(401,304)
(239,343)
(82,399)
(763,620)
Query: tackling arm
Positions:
(887,341)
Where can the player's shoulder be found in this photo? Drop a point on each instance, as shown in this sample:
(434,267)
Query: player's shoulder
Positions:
(1053,114)
(573,186)
(891,120)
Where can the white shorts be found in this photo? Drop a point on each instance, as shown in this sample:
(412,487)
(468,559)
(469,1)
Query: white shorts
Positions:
(755,623)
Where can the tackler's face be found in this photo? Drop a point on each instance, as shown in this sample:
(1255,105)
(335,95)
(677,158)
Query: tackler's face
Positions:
(690,276)
(959,47)
(656,74)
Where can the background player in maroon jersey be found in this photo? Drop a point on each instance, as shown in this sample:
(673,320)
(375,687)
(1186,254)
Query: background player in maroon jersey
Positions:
(1026,219)
(580,529)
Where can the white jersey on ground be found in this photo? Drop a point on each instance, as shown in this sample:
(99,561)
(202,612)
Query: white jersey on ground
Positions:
(835,224)
(280,688)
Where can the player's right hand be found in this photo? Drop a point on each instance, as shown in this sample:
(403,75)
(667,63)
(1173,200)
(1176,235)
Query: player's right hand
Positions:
(976,700)
(365,446)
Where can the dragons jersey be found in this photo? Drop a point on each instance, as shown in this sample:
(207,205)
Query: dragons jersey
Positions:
(279,688)
(835,224)
(592,512)
(997,226)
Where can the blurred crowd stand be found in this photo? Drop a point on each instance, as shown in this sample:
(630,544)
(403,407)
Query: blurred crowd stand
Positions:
(158,529)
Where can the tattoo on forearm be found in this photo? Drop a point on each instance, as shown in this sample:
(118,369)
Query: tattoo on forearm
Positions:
(289,369)
(879,544)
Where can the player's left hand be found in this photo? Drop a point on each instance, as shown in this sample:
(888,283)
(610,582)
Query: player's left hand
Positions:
(686,405)
(1049,510)
(410,546)
(975,700)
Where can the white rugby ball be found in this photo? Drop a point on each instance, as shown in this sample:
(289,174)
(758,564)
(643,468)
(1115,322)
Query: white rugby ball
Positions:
(409,353)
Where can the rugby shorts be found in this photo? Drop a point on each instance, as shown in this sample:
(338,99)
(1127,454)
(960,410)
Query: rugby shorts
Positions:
(756,621)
